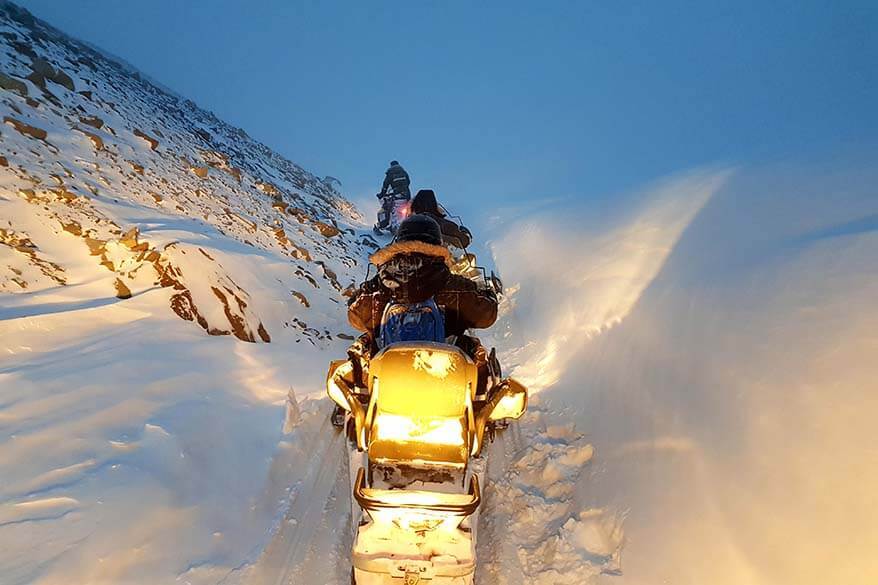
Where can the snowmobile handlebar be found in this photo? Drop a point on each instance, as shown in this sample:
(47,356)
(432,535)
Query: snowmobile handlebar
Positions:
(370,502)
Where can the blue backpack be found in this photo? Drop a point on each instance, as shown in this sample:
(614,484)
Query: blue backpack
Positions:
(403,322)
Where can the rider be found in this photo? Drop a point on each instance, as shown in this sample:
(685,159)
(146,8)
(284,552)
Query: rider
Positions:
(395,187)
(452,234)
(413,269)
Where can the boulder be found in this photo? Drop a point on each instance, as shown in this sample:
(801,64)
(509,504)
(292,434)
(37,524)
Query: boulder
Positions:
(26,129)
(122,291)
(92,121)
(12,84)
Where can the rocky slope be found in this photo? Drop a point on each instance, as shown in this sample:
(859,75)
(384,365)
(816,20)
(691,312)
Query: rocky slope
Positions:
(96,157)
(171,291)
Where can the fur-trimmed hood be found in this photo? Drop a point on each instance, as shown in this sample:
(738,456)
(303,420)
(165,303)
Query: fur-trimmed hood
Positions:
(386,253)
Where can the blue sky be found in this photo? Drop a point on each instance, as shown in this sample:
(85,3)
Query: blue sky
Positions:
(502,102)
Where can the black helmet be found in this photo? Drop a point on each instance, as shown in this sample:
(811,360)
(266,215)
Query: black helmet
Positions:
(425,202)
(419,228)
(394,162)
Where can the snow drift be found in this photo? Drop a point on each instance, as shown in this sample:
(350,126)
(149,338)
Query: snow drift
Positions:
(717,349)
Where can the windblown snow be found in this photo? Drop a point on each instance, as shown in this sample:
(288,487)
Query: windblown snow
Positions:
(701,357)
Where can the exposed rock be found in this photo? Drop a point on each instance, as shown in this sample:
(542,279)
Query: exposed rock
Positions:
(201,172)
(62,78)
(267,188)
(28,194)
(302,298)
(153,143)
(73,228)
(43,67)
(64,194)
(3,162)
(129,238)
(37,80)
(42,70)
(13,84)
(235,172)
(300,252)
(96,140)
(330,275)
(328,231)
(23,245)
(92,121)
(212,283)
(122,291)
(26,129)
(95,247)
(220,161)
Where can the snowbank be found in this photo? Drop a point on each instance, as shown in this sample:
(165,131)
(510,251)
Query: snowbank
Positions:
(718,351)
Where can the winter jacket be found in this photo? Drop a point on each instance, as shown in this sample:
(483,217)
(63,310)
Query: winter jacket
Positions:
(397,180)
(452,234)
(414,272)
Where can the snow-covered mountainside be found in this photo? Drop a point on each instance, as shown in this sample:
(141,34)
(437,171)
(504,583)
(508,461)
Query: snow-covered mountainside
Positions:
(701,355)
(165,281)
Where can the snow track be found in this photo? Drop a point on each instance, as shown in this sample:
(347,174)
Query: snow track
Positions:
(324,483)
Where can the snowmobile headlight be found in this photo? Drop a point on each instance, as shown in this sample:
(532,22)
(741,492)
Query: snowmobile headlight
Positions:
(513,402)
(404,429)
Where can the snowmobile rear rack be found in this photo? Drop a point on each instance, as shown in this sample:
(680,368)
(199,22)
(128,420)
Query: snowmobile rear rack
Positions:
(370,502)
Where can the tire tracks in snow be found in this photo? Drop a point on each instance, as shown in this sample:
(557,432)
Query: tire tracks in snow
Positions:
(289,547)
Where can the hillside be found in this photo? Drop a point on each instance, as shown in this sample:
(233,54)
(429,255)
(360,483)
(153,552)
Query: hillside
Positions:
(166,282)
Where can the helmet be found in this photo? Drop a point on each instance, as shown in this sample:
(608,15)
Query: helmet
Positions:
(419,228)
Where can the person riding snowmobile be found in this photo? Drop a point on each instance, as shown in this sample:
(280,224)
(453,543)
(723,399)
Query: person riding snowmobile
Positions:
(394,191)
(396,181)
(414,269)
(452,234)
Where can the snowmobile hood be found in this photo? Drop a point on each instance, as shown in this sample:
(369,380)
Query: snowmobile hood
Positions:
(410,247)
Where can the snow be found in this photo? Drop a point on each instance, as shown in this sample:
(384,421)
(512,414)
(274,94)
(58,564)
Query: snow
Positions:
(135,447)
(700,355)
(723,373)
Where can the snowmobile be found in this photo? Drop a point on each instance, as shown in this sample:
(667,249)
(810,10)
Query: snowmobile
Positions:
(464,262)
(466,265)
(394,209)
(413,433)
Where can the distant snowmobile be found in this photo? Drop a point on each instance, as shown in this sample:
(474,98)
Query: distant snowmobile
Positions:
(394,209)
(395,198)
(413,433)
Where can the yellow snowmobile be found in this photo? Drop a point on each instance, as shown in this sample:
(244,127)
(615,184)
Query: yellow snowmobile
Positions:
(413,434)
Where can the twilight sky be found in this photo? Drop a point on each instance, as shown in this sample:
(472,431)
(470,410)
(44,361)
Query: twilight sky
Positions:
(500,102)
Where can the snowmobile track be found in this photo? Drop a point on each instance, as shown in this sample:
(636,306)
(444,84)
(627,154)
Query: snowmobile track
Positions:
(289,547)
